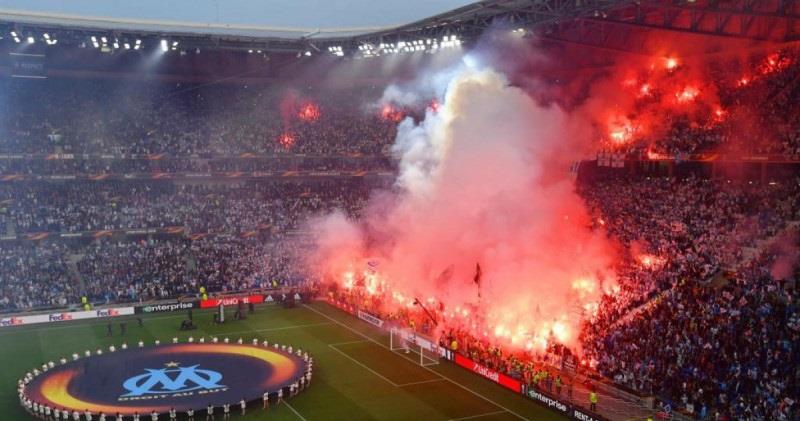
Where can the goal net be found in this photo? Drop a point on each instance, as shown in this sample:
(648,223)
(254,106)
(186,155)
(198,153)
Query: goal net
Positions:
(410,342)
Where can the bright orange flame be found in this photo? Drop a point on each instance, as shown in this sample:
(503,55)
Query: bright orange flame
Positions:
(349,279)
(286,140)
(650,262)
(670,63)
(583,286)
(309,112)
(621,131)
(389,113)
(688,93)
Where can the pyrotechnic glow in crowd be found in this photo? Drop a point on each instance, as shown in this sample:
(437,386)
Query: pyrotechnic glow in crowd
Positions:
(481,225)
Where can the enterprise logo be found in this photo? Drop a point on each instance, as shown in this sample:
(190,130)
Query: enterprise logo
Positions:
(167,307)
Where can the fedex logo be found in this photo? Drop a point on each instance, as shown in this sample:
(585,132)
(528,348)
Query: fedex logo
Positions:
(110,312)
(11,321)
(60,317)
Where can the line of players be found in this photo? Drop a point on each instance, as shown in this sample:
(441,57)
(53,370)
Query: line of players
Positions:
(54,414)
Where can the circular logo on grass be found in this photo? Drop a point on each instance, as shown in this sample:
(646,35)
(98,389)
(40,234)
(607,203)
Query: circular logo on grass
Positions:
(183,376)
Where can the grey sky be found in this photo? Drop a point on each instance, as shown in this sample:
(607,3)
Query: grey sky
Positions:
(307,14)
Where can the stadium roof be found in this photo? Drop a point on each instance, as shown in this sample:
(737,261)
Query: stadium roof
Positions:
(269,18)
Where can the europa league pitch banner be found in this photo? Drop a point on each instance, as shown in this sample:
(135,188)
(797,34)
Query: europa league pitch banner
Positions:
(157,378)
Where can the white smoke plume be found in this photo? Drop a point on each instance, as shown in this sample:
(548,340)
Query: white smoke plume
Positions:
(480,182)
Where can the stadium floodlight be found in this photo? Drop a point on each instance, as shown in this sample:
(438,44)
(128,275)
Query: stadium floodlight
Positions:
(336,50)
(164,45)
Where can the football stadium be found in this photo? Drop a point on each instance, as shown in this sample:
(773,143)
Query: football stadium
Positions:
(400,210)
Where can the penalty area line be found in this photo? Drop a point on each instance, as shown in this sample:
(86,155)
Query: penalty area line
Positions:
(426,368)
(421,382)
(363,341)
(295,411)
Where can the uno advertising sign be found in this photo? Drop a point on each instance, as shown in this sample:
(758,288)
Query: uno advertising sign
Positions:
(229,301)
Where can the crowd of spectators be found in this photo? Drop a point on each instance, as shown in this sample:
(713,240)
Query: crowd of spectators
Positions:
(118,117)
(738,106)
(135,271)
(199,208)
(232,237)
(32,276)
(724,344)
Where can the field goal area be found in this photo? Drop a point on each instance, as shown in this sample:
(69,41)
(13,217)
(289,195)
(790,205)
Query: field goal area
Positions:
(408,341)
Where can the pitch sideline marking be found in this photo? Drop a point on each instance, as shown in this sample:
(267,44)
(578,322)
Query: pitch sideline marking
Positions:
(477,416)
(295,411)
(426,368)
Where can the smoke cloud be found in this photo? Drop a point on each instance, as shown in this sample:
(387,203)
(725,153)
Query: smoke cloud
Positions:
(482,180)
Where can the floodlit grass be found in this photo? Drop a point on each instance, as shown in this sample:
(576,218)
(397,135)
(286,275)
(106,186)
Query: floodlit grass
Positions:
(356,376)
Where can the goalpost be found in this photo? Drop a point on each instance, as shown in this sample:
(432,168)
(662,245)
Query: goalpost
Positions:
(408,341)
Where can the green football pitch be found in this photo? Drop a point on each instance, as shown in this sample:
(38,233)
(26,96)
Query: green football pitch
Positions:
(356,376)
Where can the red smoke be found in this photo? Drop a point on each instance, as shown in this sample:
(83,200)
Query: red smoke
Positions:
(639,101)
(471,191)
(309,112)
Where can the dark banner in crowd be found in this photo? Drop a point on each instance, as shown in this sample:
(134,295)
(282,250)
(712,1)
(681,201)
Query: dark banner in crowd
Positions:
(230,301)
(165,156)
(495,376)
(194,175)
(179,231)
(27,65)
